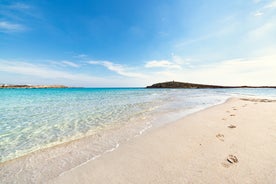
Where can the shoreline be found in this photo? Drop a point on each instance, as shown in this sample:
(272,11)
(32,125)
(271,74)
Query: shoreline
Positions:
(166,118)
(8,167)
(225,143)
(113,151)
(52,158)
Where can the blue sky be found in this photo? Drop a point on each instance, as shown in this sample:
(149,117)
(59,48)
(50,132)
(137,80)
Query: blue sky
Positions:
(100,43)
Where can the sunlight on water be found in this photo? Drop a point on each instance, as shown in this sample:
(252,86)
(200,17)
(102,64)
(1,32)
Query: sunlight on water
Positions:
(31,119)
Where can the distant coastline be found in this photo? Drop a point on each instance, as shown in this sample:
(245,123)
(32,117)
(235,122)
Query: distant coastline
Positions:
(174,84)
(31,86)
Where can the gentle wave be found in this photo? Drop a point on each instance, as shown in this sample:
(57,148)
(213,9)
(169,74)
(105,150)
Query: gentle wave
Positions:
(79,125)
(32,119)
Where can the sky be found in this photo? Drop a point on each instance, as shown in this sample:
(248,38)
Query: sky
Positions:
(130,43)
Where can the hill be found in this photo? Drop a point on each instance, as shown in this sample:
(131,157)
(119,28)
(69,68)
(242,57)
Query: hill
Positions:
(173,84)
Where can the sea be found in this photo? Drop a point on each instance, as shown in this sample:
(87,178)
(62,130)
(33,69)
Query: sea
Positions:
(37,119)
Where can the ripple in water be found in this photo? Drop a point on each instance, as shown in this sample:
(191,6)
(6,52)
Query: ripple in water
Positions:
(33,119)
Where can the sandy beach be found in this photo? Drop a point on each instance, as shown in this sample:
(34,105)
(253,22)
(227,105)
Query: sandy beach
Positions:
(137,92)
(234,142)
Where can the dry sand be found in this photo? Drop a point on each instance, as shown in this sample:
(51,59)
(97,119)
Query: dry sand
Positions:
(234,142)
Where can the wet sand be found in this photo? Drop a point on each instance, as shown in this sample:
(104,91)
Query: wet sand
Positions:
(234,142)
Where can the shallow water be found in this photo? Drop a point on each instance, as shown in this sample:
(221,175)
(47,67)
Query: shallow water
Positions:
(31,119)
(36,120)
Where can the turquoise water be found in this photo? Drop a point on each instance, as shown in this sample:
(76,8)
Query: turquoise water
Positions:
(32,119)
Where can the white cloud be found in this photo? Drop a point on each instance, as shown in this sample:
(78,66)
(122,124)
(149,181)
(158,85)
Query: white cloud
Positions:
(162,64)
(181,61)
(42,74)
(188,42)
(270,5)
(221,28)
(42,71)
(120,69)
(240,71)
(81,56)
(264,31)
(258,13)
(15,16)
(176,62)
(10,27)
(256,1)
(266,8)
(69,63)
(19,6)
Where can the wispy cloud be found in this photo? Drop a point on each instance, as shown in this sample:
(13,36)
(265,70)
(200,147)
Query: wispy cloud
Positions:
(42,71)
(258,13)
(229,25)
(15,16)
(162,64)
(271,5)
(193,40)
(264,31)
(81,56)
(175,62)
(19,6)
(256,1)
(72,64)
(119,69)
(47,74)
(6,26)
(239,71)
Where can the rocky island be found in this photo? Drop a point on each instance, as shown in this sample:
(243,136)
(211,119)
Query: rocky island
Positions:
(31,86)
(174,84)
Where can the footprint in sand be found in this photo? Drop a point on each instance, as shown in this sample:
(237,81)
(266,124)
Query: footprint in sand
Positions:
(232,126)
(228,111)
(220,137)
(230,160)
(234,108)
(224,119)
(232,115)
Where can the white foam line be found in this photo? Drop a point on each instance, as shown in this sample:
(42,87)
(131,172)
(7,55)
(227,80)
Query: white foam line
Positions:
(93,158)
(198,109)
(145,129)
(112,149)
(140,133)
(107,151)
